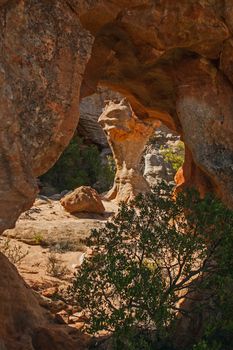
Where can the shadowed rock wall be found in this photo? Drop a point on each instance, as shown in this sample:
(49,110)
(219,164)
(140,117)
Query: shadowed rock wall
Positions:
(91,108)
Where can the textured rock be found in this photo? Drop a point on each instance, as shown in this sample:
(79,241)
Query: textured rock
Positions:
(171,59)
(190,175)
(155,167)
(43,52)
(90,109)
(157,54)
(83,199)
(206,115)
(47,223)
(127,136)
(25,325)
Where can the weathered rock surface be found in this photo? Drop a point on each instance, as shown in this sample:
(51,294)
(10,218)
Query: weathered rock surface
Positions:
(91,108)
(155,167)
(46,230)
(83,199)
(169,72)
(47,223)
(25,325)
(171,59)
(43,53)
(127,136)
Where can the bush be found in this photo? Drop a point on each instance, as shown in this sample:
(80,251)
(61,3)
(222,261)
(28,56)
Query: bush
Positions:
(55,266)
(79,165)
(154,253)
(218,331)
(106,175)
(174,155)
(14,252)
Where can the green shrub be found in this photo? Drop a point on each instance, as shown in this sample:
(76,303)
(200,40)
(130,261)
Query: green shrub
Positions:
(155,248)
(218,332)
(106,175)
(79,165)
(174,155)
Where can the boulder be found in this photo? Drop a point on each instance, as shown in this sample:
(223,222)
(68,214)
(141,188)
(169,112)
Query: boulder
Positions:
(83,199)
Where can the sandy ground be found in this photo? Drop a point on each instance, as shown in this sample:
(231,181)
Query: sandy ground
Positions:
(48,242)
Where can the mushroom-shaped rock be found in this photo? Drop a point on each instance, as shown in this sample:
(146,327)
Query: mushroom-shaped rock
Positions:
(83,199)
(127,136)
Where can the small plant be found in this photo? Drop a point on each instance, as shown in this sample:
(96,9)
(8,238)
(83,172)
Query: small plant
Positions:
(38,238)
(174,155)
(203,345)
(55,266)
(13,252)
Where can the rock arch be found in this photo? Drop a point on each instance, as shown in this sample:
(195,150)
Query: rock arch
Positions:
(171,59)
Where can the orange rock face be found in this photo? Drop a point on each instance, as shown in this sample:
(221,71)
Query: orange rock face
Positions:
(43,53)
(190,175)
(83,199)
(24,324)
(171,59)
(127,136)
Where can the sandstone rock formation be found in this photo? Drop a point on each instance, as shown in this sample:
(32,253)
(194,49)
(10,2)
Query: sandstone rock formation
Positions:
(43,53)
(83,199)
(90,109)
(171,59)
(24,324)
(47,223)
(127,136)
(153,164)
(155,167)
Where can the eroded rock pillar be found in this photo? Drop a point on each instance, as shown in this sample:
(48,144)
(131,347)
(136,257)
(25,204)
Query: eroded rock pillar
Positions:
(127,136)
